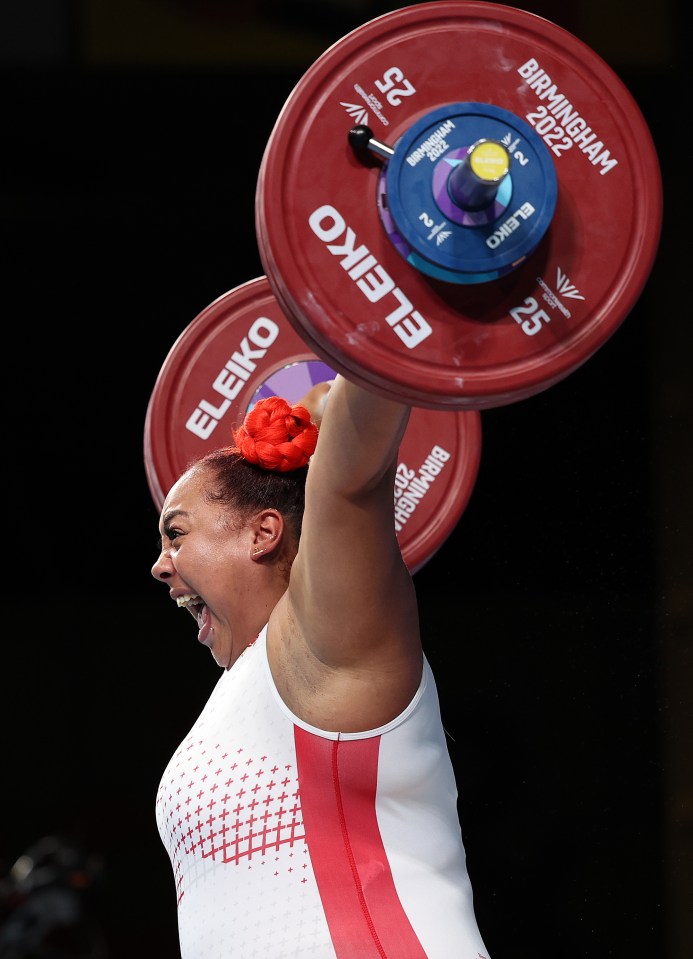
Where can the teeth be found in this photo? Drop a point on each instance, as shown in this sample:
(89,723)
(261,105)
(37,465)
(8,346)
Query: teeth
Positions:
(188,600)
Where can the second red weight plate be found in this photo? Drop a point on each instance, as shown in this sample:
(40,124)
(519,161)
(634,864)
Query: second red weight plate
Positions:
(241,348)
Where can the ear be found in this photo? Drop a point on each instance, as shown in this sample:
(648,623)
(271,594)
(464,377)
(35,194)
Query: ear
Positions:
(267,533)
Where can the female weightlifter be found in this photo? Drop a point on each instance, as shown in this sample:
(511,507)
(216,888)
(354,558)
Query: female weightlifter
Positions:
(311,810)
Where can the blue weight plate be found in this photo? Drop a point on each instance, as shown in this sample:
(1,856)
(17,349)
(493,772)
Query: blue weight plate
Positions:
(435,228)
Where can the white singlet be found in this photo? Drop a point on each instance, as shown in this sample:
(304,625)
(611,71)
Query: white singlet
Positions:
(289,842)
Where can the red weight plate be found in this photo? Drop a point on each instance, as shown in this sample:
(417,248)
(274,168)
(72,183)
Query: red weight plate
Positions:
(241,348)
(372,315)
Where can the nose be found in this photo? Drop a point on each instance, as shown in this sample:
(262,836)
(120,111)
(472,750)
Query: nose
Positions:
(163,568)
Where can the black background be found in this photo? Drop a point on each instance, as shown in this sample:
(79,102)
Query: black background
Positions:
(128,206)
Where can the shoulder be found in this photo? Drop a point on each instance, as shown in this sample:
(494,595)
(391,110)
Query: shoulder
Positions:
(353,696)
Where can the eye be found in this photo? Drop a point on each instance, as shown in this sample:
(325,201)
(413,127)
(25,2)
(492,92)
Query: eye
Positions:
(171,533)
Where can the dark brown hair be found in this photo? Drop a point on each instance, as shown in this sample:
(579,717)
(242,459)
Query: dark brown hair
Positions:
(242,486)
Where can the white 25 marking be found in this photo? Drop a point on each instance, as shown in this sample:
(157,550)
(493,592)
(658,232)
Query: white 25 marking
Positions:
(390,77)
(530,317)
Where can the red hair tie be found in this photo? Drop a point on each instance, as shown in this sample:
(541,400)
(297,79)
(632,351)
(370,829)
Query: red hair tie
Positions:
(277,436)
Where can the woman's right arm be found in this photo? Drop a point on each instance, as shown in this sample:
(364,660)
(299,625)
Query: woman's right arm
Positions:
(351,596)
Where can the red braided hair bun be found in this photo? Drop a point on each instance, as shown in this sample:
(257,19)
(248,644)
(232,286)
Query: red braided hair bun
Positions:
(277,436)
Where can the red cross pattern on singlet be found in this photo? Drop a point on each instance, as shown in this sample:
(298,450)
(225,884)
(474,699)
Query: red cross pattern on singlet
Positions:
(228,807)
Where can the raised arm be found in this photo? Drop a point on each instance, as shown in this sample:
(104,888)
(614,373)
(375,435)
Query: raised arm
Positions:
(350,611)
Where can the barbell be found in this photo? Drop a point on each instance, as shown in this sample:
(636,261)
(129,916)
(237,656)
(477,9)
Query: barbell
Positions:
(458,204)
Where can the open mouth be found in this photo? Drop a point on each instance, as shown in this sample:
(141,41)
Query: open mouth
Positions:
(195,605)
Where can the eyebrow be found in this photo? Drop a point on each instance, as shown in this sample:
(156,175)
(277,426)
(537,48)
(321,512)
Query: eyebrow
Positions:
(167,517)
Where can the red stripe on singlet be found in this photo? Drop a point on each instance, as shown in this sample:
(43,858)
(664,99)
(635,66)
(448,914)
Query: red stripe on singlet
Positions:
(337,783)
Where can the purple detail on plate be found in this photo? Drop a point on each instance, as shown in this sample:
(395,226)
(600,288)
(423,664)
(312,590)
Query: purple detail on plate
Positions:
(450,209)
(293,381)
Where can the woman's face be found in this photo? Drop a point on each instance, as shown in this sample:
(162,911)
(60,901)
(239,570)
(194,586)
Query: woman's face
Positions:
(206,563)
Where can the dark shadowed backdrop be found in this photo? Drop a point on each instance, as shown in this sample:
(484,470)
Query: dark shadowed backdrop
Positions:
(557,616)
